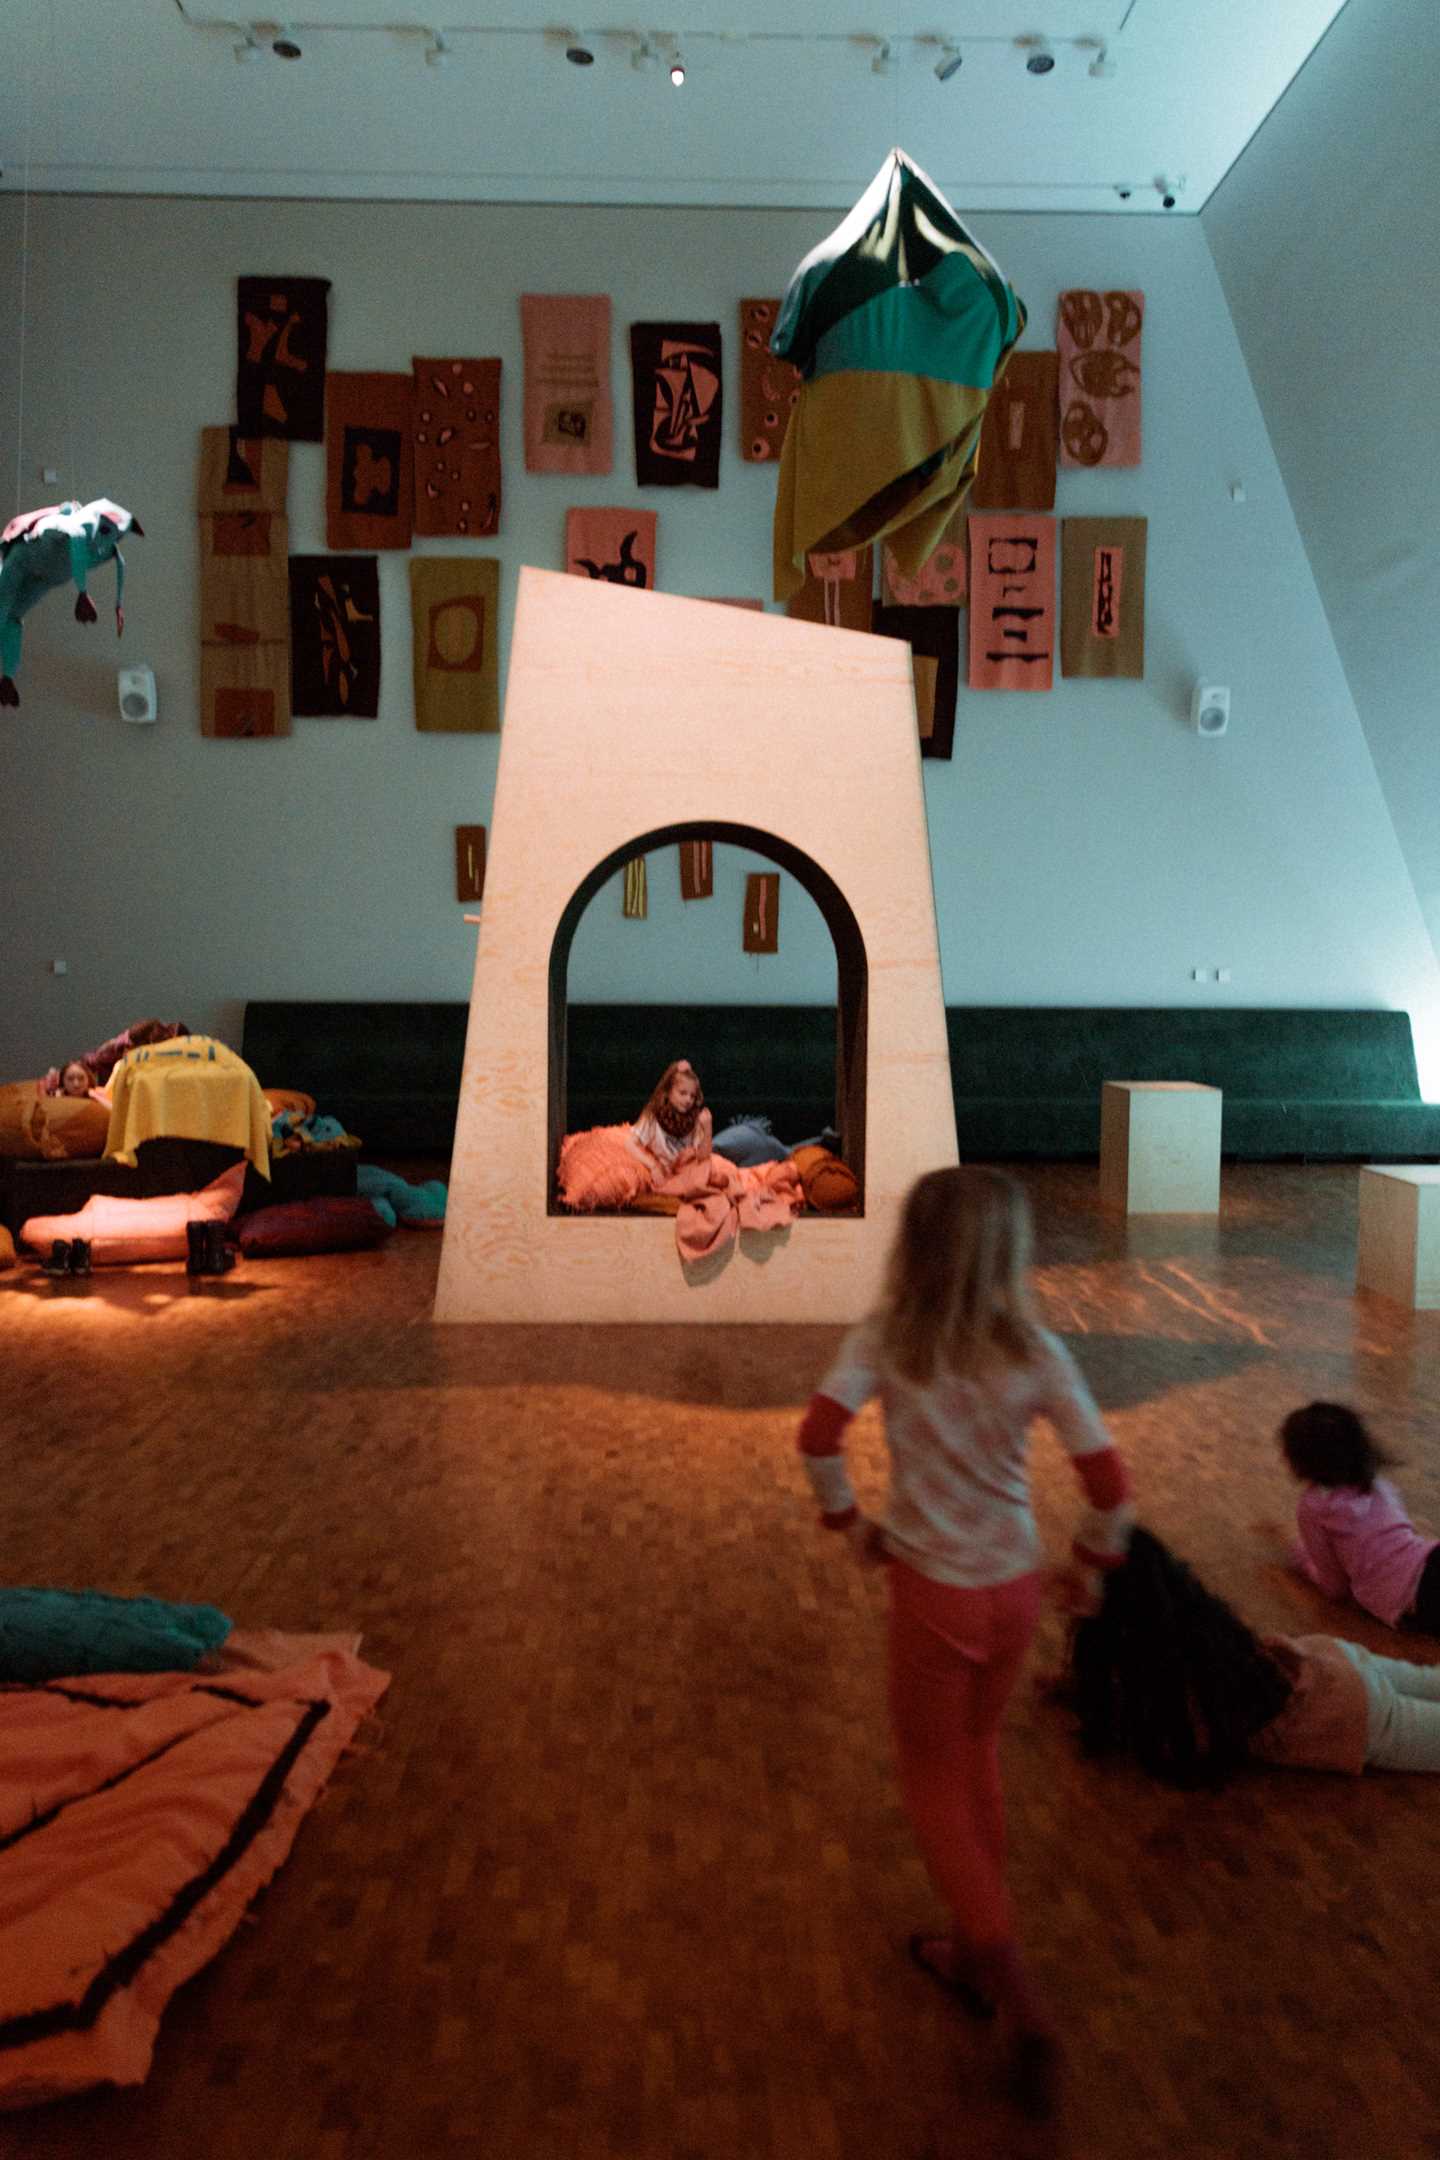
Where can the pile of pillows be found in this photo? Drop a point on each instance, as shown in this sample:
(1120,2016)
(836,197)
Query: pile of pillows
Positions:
(36,1127)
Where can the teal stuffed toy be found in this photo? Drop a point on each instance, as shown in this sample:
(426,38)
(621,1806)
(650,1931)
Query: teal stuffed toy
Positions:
(43,549)
(418,1207)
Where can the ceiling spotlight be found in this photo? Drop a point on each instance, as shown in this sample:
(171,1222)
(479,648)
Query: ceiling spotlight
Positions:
(1168,190)
(1102,67)
(1124,190)
(677,71)
(644,55)
(948,63)
(577,54)
(1039,60)
(286,46)
(248,47)
(437,52)
(883,60)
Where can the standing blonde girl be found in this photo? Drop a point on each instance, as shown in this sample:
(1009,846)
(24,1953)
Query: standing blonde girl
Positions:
(963,1368)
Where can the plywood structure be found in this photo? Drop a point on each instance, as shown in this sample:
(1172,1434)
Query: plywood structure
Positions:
(632,719)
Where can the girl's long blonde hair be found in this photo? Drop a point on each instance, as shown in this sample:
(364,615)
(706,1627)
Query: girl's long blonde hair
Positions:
(956,1299)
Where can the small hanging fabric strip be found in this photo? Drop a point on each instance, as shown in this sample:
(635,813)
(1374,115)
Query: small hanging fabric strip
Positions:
(837,590)
(762,912)
(697,869)
(636,889)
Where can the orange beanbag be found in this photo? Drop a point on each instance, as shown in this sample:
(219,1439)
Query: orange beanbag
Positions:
(120,1230)
(600,1168)
(282,1099)
(35,1126)
(7,1249)
(831,1186)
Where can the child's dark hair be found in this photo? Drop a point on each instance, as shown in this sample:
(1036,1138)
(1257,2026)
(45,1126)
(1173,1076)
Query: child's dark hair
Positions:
(1166,1672)
(1327,1444)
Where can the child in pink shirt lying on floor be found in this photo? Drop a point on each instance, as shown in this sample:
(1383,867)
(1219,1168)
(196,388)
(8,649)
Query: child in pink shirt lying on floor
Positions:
(1356,1539)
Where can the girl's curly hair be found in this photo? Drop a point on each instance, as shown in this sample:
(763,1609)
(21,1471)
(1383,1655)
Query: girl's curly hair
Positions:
(1166,1672)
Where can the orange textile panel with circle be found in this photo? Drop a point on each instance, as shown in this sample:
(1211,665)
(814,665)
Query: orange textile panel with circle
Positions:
(454,606)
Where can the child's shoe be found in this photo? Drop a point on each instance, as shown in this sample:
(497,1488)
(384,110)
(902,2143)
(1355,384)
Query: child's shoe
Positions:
(197,1259)
(219,1255)
(59,1260)
(80,1256)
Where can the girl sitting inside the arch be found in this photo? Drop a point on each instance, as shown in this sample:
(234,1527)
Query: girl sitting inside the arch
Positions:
(1165,1671)
(674,1128)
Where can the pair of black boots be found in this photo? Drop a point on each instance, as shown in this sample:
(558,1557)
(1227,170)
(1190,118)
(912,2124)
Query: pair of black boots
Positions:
(68,1256)
(209,1254)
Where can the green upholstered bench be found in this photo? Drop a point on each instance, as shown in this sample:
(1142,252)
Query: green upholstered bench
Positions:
(1327,1084)
(1334,1085)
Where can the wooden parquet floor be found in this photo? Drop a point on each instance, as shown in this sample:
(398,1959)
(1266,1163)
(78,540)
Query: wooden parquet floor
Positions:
(623,1873)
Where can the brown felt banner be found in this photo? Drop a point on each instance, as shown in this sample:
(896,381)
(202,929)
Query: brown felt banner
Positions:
(569,423)
(369,485)
(280,375)
(837,590)
(769,388)
(1102,596)
(676,379)
(454,613)
(697,869)
(933,635)
(244,587)
(762,911)
(1019,437)
(636,890)
(469,862)
(456,413)
(335,636)
(1099,350)
(617,546)
(1012,601)
(241,474)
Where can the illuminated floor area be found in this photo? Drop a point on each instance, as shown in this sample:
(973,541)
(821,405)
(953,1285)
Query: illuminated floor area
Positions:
(626,1875)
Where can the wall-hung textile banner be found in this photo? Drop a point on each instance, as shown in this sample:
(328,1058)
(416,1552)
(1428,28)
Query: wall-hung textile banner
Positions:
(1102,596)
(697,869)
(1099,341)
(469,862)
(675,372)
(933,635)
(837,590)
(244,586)
(769,388)
(280,378)
(569,423)
(1012,601)
(615,545)
(454,619)
(242,475)
(636,903)
(899,322)
(942,581)
(1019,437)
(456,412)
(762,911)
(335,636)
(369,475)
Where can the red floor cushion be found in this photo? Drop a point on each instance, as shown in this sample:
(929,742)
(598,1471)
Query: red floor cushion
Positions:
(328,1223)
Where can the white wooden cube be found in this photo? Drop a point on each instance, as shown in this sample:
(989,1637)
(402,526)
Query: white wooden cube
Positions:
(1398,1247)
(1160,1147)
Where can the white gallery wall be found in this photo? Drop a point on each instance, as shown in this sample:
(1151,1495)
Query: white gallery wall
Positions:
(1326,236)
(1087,846)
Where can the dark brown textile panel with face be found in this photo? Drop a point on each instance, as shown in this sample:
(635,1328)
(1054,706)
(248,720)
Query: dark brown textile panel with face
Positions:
(335,636)
(282,326)
(675,369)
(369,483)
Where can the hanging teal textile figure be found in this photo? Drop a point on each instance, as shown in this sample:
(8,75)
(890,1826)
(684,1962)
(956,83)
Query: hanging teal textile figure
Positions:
(43,549)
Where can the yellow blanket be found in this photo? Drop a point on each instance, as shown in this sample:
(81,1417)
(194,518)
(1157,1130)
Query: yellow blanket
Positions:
(189,1089)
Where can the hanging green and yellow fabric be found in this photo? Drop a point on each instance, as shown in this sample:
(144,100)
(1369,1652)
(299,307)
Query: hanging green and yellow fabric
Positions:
(900,325)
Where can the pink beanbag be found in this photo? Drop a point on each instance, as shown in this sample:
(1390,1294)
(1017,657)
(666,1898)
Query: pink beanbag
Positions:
(600,1168)
(326,1224)
(120,1230)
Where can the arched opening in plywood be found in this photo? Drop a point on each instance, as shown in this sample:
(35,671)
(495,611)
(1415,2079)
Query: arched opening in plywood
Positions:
(851,970)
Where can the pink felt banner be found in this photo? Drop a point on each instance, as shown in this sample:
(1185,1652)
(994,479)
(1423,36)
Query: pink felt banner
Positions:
(617,546)
(1012,601)
(1098,340)
(942,581)
(569,424)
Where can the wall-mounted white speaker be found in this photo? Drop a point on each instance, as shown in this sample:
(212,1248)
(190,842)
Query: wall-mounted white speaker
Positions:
(135,688)
(1210,708)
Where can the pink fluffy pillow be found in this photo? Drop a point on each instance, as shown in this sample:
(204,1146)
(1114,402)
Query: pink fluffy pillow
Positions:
(119,1230)
(600,1168)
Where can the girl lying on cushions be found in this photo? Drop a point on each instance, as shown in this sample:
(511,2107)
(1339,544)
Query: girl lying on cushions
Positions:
(100,1063)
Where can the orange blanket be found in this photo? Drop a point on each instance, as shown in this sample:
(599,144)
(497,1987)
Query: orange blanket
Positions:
(718,1200)
(139,1815)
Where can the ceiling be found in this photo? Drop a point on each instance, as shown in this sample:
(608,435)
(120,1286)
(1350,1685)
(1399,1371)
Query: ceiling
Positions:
(782,105)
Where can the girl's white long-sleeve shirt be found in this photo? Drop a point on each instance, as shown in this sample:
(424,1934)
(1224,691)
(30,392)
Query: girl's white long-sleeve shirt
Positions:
(959,1505)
